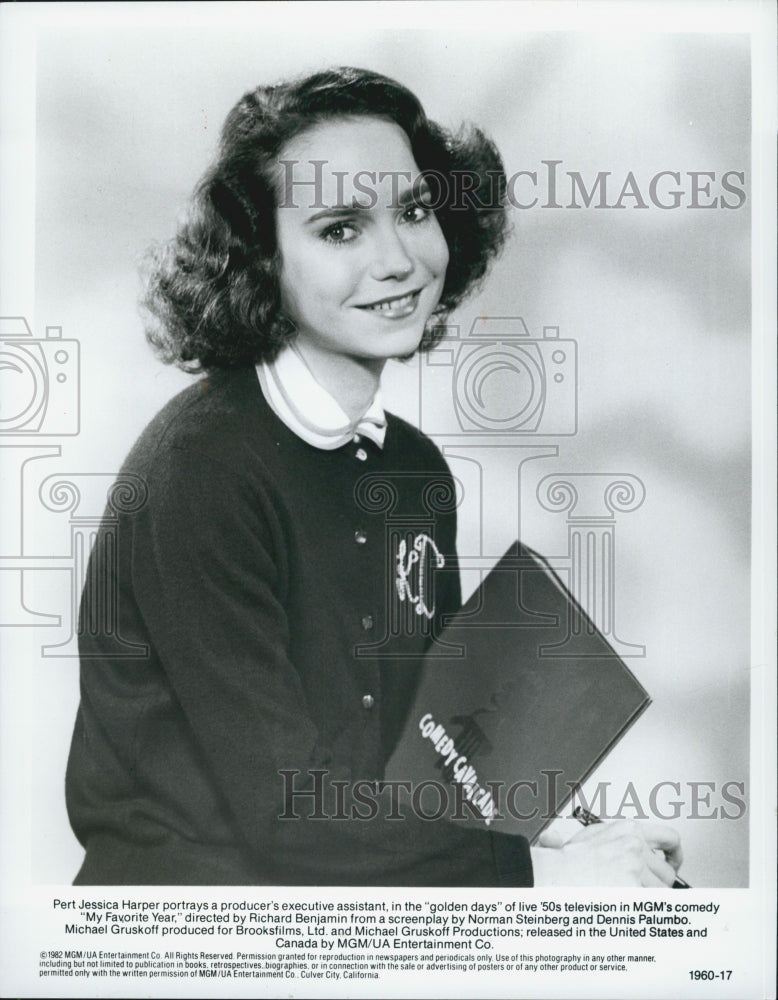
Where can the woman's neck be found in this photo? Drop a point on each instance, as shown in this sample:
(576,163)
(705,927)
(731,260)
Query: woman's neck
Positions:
(352,381)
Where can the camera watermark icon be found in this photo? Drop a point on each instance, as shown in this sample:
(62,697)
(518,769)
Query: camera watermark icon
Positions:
(491,399)
(40,381)
(499,380)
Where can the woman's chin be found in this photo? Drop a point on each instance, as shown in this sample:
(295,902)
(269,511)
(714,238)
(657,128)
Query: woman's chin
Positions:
(397,342)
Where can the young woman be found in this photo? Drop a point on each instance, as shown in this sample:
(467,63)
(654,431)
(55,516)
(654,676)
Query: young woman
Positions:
(267,573)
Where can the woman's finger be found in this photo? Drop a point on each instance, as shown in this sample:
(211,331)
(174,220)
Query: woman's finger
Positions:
(659,868)
(662,837)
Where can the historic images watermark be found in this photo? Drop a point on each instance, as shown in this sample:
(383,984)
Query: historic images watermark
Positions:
(550,185)
(315,795)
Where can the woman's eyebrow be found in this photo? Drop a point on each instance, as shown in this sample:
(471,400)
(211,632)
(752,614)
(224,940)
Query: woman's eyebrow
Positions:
(409,196)
(338,211)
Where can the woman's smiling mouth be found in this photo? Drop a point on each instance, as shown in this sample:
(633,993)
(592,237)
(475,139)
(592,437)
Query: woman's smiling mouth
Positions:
(396,307)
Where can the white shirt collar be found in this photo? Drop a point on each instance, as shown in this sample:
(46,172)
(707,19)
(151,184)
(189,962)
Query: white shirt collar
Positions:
(309,410)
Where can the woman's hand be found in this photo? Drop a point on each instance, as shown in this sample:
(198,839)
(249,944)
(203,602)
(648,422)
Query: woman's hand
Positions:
(625,853)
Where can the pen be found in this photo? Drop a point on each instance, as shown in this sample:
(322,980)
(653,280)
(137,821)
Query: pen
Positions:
(588,818)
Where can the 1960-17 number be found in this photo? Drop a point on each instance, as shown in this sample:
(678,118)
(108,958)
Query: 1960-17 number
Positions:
(724,974)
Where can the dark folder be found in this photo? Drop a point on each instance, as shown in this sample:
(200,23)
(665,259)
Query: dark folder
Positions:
(521,701)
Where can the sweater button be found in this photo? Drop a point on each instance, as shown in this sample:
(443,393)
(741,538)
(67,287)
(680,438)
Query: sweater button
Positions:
(361,454)
(367,701)
(360,537)
(367,622)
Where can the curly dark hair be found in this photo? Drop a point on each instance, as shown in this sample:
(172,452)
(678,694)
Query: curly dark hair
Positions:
(212,293)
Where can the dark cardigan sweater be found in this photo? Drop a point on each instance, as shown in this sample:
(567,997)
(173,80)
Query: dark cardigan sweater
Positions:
(261,574)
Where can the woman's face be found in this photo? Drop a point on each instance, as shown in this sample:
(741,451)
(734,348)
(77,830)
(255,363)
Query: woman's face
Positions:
(362,260)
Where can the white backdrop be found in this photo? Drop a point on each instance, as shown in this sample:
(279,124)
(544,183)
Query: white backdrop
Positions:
(657,300)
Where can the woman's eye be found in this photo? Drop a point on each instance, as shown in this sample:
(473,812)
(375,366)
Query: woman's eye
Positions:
(416,213)
(339,232)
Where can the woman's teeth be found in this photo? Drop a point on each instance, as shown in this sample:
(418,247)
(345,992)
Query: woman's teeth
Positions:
(397,306)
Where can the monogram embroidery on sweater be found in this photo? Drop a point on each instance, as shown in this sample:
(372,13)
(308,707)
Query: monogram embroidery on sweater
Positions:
(412,558)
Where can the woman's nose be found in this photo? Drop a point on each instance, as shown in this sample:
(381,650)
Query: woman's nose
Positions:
(391,258)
